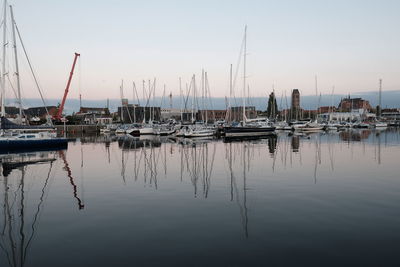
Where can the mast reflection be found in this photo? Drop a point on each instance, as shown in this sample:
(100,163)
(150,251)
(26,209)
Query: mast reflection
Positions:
(17,234)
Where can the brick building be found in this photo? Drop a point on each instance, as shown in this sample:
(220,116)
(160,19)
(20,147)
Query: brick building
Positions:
(349,104)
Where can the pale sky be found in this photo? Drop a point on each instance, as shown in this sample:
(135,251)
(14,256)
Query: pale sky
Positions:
(347,44)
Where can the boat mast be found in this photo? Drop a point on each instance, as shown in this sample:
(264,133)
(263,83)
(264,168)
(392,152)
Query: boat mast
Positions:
(144,109)
(134,106)
(154,98)
(202,95)
(181,93)
(244,75)
(194,95)
(121,90)
(316,94)
(206,87)
(149,99)
(16,64)
(3,84)
(380,99)
(230,95)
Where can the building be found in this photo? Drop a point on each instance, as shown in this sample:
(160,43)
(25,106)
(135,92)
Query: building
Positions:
(295,105)
(175,114)
(236,113)
(354,115)
(211,115)
(40,112)
(327,109)
(349,104)
(93,110)
(391,113)
(94,115)
(135,113)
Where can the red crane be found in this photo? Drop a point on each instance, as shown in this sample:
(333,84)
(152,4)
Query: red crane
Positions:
(58,116)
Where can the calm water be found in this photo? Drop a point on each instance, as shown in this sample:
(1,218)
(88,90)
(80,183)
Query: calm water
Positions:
(317,200)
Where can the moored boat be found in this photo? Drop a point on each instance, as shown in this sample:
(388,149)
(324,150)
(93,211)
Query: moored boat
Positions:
(31,141)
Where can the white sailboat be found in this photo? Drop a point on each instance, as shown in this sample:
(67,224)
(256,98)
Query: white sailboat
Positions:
(251,129)
(17,137)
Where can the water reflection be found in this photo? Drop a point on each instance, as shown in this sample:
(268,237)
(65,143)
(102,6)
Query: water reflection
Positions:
(18,231)
(249,182)
(354,135)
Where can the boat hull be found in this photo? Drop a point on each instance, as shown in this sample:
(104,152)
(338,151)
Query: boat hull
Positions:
(146,131)
(133,132)
(165,133)
(10,145)
(199,134)
(248,131)
(310,129)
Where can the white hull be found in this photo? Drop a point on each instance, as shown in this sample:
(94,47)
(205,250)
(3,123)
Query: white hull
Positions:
(381,125)
(147,130)
(165,132)
(311,129)
(201,133)
(120,131)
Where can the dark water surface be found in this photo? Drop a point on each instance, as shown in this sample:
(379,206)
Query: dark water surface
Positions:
(317,200)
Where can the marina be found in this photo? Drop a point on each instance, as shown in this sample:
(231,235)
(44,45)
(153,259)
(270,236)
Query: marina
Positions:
(235,133)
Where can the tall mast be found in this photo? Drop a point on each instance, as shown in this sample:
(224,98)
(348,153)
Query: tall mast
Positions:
(149,99)
(134,105)
(194,95)
(181,93)
(205,95)
(380,98)
(154,97)
(244,74)
(16,64)
(121,88)
(230,95)
(316,94)
(202,94)
(144,109)
(3,80)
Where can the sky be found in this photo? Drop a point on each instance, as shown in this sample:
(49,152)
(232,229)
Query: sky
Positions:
(347,44)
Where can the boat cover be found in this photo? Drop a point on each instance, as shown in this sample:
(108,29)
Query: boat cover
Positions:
(6,124)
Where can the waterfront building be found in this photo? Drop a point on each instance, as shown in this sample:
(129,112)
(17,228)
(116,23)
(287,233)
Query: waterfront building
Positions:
(354,115)
(236,113)
(135,113)
(295,112)
(94,115)
(212,115)
(175,114)
(348,104)
(391,114)
(327,109)
(40,112)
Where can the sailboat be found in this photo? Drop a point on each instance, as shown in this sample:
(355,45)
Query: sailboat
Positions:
(257,127)
(199,129)
(15,136)
(379,123)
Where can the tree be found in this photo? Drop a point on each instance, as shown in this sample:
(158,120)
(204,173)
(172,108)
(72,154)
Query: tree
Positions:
(272,109)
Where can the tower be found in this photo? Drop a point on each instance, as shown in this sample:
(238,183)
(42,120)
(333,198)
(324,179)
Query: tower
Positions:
(295,105)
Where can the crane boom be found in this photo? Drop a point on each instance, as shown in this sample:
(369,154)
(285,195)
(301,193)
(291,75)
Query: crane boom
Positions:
(61,108)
